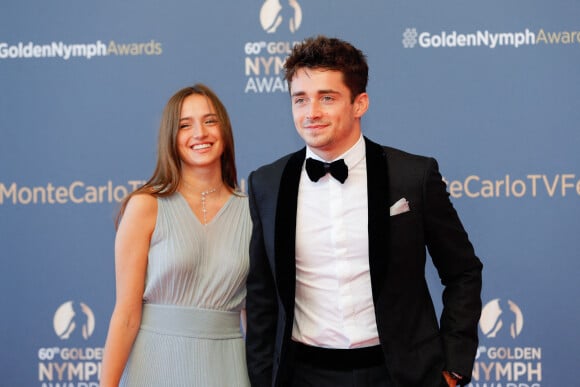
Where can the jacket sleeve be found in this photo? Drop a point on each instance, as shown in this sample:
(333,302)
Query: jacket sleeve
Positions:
(261,302)
(460,272)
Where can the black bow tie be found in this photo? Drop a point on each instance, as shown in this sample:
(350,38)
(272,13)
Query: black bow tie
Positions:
(316,169)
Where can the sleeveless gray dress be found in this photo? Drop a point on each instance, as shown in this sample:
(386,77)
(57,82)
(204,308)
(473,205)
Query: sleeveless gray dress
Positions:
(195,288)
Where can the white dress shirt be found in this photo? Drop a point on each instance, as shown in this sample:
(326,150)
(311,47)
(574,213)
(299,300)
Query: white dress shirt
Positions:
(334,304)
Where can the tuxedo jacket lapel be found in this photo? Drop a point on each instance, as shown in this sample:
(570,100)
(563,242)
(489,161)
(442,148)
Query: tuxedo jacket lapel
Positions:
(378,208)
(285,240)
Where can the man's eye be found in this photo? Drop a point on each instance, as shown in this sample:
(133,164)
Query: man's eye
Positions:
(299,101)
(327,98)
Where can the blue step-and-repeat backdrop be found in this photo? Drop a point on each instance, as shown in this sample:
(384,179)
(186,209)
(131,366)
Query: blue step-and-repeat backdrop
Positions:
(491,89)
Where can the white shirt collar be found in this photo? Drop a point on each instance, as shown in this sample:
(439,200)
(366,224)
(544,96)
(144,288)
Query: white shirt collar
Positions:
(351,157)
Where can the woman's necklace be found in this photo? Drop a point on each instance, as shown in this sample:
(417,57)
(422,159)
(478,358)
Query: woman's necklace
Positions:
(203,200)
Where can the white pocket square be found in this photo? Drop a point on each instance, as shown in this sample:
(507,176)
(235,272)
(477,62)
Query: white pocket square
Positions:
(400,206)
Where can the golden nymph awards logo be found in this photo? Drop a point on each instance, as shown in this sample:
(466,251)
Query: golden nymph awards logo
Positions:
(76,365)
(264,60)
(273,15)
(500,363)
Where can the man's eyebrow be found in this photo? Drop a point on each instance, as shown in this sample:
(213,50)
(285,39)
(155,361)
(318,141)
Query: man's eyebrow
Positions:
(328,91)
(324,91)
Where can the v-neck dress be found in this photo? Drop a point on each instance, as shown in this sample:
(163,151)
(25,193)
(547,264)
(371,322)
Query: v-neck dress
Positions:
(195,288)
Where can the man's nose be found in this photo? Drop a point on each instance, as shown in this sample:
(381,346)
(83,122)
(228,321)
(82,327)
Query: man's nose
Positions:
(313,111)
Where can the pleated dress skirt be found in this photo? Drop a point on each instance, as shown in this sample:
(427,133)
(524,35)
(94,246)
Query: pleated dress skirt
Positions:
(184,346)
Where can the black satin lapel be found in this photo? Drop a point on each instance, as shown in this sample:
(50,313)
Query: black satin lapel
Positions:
(378,203)
(285,232)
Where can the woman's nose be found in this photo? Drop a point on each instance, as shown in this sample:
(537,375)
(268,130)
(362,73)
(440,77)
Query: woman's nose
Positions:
(199,130)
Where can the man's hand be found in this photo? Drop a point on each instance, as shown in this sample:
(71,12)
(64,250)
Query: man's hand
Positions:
(450,379)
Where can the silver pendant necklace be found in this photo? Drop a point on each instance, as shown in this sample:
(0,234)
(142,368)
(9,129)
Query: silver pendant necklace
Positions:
(203,200)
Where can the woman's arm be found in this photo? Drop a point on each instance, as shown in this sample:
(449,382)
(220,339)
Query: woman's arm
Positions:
(131,250)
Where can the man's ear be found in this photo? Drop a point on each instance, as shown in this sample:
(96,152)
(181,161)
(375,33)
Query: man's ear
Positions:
(361,104)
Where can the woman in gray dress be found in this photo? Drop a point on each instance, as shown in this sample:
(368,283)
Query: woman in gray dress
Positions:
(181,258)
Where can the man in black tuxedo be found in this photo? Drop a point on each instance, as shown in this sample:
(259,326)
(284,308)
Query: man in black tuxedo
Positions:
(337,294)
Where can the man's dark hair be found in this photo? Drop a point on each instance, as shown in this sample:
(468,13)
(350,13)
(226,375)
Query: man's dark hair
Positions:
(321,52)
